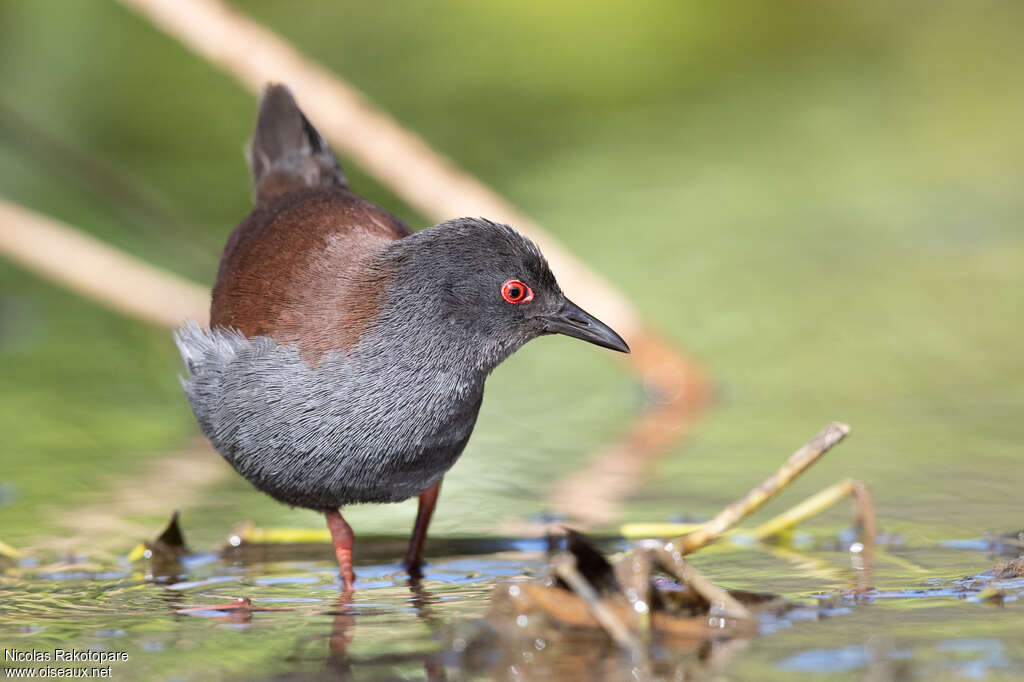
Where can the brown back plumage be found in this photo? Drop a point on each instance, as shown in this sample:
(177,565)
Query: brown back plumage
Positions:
(300,268)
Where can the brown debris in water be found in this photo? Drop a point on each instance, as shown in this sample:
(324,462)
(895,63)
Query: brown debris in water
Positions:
(169,546)
(171,542)
(164,553)
(236,611)
(588,592)
(1010,569)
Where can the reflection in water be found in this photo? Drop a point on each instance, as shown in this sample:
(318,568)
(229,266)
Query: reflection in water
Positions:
(342,631)
(968,658)
(341,665)
(185,620)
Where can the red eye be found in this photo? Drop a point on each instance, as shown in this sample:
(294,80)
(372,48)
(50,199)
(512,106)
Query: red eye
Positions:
(515,291)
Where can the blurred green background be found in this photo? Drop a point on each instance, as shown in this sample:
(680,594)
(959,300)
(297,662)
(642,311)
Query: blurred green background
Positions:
(821,202)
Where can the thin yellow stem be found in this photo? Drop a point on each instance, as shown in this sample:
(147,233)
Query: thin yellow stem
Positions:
(797,463)
(813,505)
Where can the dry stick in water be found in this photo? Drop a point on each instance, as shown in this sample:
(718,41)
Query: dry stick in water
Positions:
(867,525)
(813,505)
(634,572)
(565,568)
(787,473)
(688,575)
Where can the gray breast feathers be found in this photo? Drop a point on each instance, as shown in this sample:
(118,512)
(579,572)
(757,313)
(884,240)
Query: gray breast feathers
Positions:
(322,437)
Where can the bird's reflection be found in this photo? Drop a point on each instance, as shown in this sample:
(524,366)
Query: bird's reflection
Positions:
(486,651)
(343,623)
(340,664)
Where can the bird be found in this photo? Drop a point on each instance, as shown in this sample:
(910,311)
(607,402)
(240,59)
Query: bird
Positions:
(346,355)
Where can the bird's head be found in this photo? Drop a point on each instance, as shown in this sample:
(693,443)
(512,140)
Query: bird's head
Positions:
(482,290)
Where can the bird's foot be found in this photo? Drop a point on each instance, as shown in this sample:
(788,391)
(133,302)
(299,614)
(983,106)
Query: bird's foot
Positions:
(414,567)
(342,537)
(348,579)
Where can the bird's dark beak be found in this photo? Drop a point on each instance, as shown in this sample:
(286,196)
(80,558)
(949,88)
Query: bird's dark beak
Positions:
(574,321)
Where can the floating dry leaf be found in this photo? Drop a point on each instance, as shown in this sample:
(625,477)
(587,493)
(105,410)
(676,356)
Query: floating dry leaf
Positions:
(166,550)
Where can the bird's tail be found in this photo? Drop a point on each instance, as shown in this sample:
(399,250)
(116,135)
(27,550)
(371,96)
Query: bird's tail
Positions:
(287,152)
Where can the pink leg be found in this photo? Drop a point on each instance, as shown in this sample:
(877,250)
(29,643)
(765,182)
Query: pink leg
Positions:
(414,557)
(341,534)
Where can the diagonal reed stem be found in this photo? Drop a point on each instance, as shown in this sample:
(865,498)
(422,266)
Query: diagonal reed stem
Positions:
(797,463)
